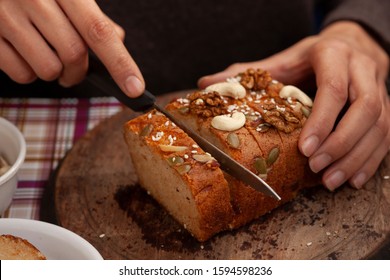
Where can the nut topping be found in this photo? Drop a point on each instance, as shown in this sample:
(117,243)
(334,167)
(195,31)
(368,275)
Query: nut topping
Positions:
(235,90)
(255,79)
(211,104)
(227,123)
(291,91)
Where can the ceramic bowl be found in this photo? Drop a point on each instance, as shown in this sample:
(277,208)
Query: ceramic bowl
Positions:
(13,150)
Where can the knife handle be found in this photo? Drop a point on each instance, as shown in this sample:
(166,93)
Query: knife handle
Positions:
(99,77)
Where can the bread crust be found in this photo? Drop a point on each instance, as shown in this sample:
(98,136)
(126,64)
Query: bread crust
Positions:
(16,248)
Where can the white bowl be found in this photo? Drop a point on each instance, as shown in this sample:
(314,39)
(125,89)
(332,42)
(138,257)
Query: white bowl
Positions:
(55,242)
(13,150)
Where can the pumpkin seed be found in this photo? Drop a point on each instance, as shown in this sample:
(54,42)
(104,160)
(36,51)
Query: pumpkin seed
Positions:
(176,160)
(146,130)
(203,158)
(182,169)
(233,140)
(260,165)
(273,156)
(184,110)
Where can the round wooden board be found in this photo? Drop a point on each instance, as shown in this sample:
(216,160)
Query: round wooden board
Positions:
(97,196)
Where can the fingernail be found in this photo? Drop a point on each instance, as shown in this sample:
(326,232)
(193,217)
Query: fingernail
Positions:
(359,180)
(310,145)
(334,180)
(133,86)
(320,162)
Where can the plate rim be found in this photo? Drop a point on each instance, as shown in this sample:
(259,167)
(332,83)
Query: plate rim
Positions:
(29,227)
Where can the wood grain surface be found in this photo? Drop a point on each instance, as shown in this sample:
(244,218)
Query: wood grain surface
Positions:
(97,196)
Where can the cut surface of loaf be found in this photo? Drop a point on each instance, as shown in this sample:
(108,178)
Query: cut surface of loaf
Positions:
(16,248)
(179,175)
(247,118)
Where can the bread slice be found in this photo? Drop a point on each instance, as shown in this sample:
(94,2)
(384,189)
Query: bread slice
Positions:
(179,175)
(16,248)
(266,143)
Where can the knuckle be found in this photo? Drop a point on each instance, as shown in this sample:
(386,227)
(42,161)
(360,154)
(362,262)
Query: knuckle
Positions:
(332,45)
(50,71)
(372,106)
(337,89)
(342,143)
(76,53)
(100,30)
(7,22)
(120,32)
(382,127)
(120,64)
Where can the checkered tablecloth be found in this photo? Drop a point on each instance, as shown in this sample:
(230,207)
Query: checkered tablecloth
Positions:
(50,128)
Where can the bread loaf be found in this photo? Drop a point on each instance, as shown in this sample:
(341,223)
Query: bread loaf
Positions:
(16,248)
(254,119)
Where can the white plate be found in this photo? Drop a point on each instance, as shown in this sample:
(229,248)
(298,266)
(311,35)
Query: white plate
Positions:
(55,242)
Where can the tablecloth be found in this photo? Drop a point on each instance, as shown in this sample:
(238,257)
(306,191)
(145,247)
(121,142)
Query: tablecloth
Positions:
(50,128)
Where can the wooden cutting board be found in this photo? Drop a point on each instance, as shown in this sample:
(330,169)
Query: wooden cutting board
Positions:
(97,196)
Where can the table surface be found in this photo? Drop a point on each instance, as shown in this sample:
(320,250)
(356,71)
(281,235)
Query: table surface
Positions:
(51,126)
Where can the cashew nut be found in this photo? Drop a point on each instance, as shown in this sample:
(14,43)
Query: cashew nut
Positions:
(227,123)
(291,91)
(235,90)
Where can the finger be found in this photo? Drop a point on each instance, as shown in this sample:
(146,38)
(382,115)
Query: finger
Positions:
(63,37)
(370,166)
(330,63)
(346,167)
(28,42)
(359,118)
(231,71)
(290,66)
(100,36)
(14,65)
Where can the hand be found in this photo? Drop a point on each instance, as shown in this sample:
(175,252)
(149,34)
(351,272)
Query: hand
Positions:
(50,39)
(350,69)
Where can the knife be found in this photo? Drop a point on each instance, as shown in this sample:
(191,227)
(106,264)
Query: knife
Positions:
(99,77)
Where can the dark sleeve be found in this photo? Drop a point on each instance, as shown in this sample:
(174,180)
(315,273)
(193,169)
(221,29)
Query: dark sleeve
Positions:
(373,15)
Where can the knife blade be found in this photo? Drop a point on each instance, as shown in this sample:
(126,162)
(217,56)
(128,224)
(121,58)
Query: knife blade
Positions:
(100,78)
